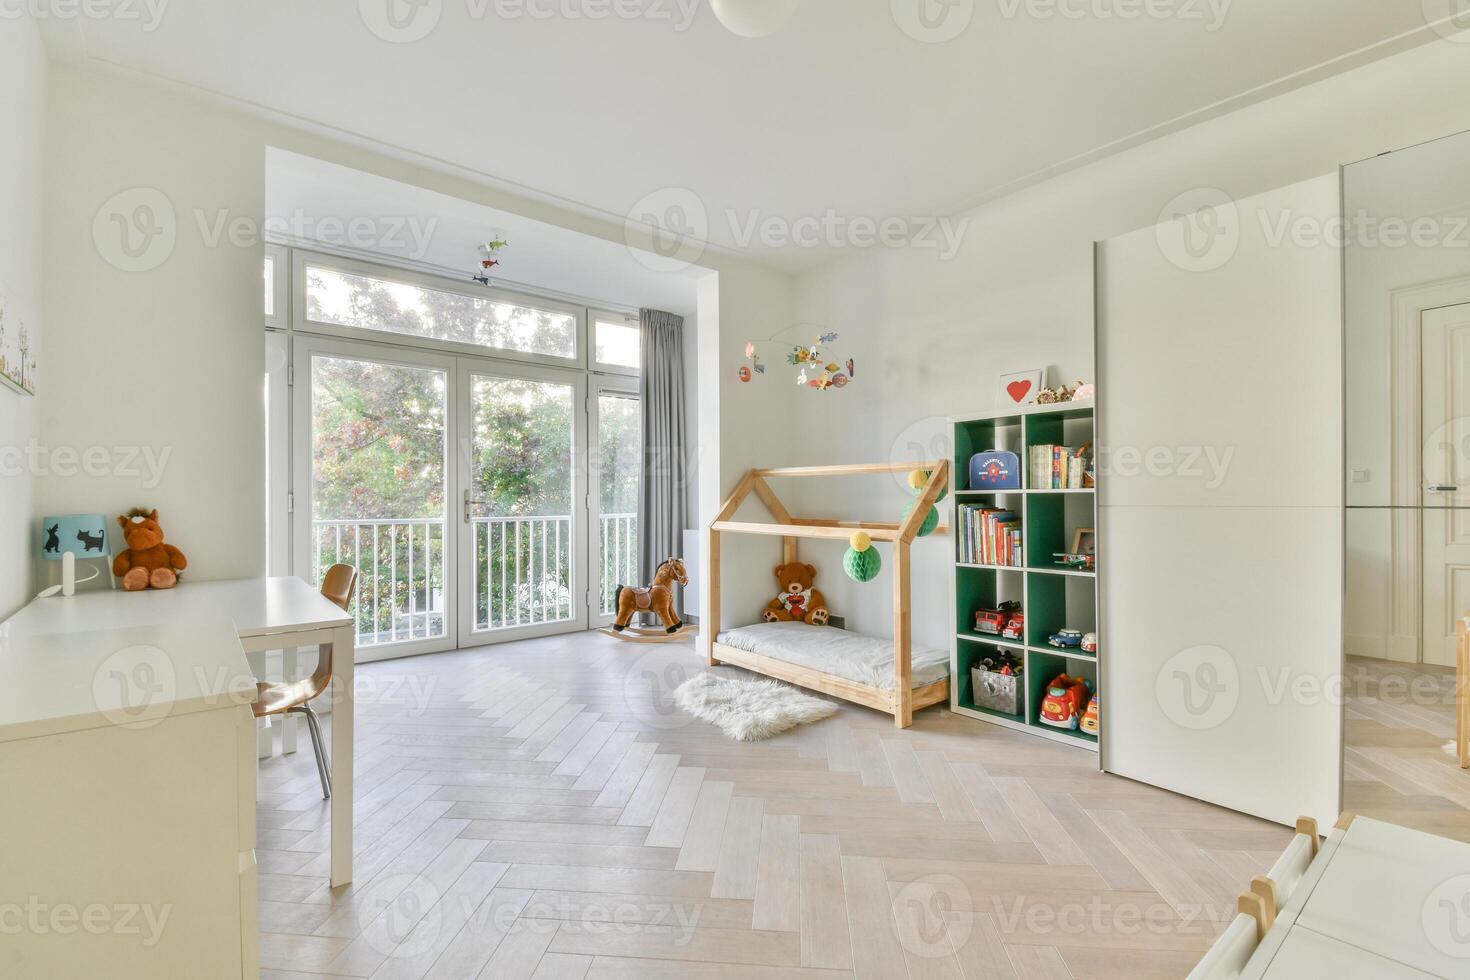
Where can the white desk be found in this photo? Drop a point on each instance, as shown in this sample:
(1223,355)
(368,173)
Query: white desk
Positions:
(268,614)
(1378,901)
(127,791)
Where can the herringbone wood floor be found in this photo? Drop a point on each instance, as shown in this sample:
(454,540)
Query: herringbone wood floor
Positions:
(538,810)
(1399,718)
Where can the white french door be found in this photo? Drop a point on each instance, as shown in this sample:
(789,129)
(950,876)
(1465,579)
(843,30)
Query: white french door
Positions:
(372,426)
(521,512)
(480,500)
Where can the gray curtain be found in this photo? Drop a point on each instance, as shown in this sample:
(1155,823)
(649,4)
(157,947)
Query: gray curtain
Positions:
(661,519)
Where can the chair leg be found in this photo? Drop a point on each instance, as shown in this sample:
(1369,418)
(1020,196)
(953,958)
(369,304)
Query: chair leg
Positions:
(314,725)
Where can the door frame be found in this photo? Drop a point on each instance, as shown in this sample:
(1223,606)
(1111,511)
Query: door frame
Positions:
(468,368)
(304,348)
(612,384)
(1407,307)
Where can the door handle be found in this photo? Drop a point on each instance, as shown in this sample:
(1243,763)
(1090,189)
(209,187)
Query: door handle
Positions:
(468,501)
(1442,488)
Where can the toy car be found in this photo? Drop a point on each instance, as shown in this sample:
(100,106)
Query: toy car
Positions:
(992,621)
(1091,718)
(1066,639)
(1089,643)
(1065,701)
(1015,627)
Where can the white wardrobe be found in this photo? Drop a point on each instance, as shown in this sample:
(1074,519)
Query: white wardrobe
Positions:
(1219,350)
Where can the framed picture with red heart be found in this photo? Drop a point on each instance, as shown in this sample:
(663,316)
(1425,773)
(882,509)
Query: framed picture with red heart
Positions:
(1021,388)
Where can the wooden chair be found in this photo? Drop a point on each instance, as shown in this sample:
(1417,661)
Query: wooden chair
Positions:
(294,697)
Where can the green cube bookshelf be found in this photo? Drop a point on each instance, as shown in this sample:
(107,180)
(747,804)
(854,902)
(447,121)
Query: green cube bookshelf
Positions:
(1052,597)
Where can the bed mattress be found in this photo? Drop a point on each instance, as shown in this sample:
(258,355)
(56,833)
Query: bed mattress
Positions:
(864,659)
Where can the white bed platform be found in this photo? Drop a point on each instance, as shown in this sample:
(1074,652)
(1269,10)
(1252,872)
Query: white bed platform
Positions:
(883,674)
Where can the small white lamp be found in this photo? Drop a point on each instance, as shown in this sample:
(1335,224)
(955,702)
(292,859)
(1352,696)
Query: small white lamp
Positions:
(63,539)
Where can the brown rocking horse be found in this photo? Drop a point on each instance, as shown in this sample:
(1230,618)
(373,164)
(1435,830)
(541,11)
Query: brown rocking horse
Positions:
(657,598)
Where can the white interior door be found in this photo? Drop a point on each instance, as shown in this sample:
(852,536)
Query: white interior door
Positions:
(521,504)
(1445,397)
(617,457)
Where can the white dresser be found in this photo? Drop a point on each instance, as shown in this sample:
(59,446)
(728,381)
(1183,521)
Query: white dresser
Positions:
(127,803)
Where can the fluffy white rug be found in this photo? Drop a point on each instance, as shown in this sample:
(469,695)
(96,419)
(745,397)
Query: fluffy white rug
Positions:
(749,710)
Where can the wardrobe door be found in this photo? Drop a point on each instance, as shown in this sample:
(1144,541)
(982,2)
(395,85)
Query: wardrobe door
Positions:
(1220,518)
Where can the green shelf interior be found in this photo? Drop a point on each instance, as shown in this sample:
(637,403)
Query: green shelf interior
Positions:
(1069,427)
(984,588)
(1011,500)
(1052,521)
(1059,602)
(983,436)
(1041,669)
(969,655)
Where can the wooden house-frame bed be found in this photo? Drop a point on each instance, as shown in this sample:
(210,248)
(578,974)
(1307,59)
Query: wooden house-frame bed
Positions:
(904,699)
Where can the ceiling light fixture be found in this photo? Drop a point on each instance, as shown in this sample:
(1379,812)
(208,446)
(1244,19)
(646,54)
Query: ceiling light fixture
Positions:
(754,18)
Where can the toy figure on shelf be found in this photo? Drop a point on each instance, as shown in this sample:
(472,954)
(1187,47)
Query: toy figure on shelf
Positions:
(1092,718)
(1064,704)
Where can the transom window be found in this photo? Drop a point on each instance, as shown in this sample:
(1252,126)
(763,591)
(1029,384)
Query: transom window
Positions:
(371,303)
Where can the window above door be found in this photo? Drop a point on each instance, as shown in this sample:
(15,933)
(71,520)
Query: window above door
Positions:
(345,297)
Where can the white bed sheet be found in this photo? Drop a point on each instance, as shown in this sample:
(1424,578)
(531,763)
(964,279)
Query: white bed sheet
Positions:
(865,659)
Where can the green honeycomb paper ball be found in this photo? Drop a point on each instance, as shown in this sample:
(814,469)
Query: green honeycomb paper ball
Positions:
(861,566)
(918,478)
(931,519)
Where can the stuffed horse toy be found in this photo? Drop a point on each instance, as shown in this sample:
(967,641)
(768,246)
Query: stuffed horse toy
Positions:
(658,597)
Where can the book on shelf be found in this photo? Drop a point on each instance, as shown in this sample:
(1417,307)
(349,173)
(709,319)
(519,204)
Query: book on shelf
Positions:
(1056,468)
(987,536)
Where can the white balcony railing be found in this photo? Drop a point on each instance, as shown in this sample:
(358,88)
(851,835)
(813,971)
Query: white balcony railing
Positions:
(619,557)
(521,571)
(400,575)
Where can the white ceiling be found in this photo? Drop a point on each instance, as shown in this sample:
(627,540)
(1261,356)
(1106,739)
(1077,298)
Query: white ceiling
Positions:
(838,110)
(312,202)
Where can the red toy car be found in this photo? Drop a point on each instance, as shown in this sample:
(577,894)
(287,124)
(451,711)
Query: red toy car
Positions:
(992,621)
(1065,702)
(1015,627)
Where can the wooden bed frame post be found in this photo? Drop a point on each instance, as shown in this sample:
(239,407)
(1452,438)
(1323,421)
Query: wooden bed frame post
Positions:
(903,647)
(903,699)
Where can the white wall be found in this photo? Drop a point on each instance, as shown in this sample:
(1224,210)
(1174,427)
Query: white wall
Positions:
(930,336)
(171,358)
(22,93)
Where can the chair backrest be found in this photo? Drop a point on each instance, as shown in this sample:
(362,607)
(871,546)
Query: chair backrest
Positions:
(337,586)
(338,583)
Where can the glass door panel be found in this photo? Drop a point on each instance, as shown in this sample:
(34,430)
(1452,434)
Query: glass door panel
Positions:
(617,461)
(378,485)
(523,515)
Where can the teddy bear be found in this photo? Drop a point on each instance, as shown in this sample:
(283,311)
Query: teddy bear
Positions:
(147,562)
(797,601)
